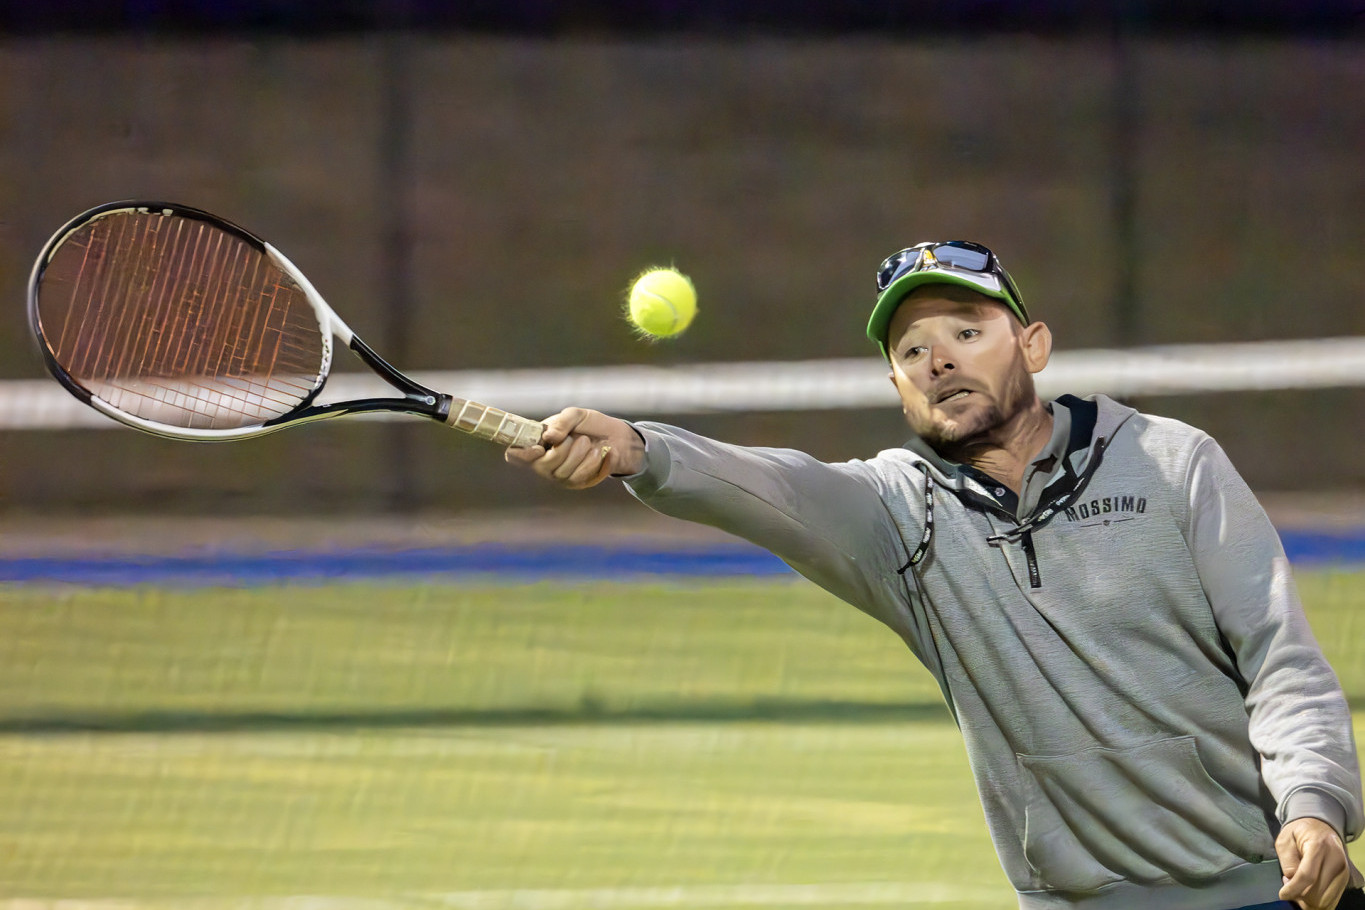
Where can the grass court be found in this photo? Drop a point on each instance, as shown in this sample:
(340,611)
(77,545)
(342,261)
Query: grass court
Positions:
(537,747)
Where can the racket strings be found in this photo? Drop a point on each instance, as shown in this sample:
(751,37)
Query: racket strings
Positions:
(172,319)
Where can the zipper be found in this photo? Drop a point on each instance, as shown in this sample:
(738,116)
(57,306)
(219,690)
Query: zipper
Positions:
(1023,532)
(1035,579)
(1023,537)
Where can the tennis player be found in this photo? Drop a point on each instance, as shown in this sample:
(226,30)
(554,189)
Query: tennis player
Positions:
(1106,607)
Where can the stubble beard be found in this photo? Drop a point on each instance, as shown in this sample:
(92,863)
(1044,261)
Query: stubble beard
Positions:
(955,439)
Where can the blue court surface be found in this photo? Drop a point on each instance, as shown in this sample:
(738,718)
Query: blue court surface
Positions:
(512,562)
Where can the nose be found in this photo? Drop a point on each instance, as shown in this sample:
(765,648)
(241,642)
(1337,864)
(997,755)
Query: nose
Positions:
(941,360)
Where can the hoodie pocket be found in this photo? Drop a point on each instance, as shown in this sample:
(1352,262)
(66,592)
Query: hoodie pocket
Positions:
(1146,815)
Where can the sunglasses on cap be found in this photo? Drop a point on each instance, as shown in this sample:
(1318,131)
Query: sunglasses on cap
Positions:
(957,262)
(949,254)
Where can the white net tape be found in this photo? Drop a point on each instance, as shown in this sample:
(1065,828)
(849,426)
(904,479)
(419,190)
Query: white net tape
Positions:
(642,391)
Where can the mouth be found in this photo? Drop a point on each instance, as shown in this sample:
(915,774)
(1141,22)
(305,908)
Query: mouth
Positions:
(950,395)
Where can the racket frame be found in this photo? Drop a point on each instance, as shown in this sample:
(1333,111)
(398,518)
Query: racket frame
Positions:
(470,417)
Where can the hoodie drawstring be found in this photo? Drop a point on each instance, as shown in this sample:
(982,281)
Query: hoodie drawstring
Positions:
(928,535)
(1021,533)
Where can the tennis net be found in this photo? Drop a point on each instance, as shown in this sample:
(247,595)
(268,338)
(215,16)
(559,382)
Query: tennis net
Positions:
(1178,369)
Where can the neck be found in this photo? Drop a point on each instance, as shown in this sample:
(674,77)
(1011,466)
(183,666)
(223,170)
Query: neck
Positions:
(1006,452)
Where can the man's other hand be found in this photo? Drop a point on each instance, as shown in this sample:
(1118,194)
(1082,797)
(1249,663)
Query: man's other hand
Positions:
(1313,860)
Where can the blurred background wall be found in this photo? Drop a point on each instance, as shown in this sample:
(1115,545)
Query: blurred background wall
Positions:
(477,196)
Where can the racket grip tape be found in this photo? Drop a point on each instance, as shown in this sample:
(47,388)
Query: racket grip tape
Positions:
(497,426)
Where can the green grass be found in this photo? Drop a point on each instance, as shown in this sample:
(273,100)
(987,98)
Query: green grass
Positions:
(448,745)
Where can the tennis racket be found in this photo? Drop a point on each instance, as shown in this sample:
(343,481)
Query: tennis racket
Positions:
(179,323)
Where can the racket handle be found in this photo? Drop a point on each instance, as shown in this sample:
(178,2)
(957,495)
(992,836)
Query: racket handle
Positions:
(494,425)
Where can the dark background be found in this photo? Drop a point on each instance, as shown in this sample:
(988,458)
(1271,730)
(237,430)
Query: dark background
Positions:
(820,18)
(473,185)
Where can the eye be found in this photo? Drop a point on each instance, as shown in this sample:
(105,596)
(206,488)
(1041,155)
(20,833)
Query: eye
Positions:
(913,352)
(967,334)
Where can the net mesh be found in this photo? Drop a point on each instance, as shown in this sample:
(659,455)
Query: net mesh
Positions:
(429,745)
(567,747)
(421,743)
(174,320)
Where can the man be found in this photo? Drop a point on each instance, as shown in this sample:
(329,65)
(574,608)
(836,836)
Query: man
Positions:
(1105,606)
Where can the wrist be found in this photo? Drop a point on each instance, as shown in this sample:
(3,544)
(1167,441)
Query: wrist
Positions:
(1310,802)
(633,456)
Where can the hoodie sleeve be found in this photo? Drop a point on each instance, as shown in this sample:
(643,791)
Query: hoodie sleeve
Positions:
(1299,720)
(826,521)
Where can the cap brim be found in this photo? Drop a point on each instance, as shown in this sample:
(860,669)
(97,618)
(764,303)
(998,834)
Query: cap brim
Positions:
(981,282)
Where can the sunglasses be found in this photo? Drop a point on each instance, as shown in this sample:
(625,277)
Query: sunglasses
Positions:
(951,254)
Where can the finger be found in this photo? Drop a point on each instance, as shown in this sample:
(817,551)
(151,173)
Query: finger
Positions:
(562,425)
(1288,851)
(1303,879)
(523,455)
(1324,896)
(1287,848)
(576,450)
(590,472)
(1315,879)
(1331,878)
(1332,890)
(552,461)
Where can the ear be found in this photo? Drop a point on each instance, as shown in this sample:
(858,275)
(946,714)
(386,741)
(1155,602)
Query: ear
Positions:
(891,375)
(1036,342)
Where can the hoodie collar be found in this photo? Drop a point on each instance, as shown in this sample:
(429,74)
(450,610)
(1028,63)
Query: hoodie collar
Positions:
(1091,420)
(1093,423)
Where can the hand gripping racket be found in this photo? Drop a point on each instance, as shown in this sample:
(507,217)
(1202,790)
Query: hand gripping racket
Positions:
(178,323)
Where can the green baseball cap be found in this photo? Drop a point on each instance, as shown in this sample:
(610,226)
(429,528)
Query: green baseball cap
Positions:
(958,262)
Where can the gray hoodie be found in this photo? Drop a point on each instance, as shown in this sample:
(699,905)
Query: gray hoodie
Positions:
(1142,700)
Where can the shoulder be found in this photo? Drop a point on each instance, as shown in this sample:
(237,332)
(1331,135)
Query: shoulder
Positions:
(892,464)
(896,474)
(1164,438)
(1152,451)
(1167,433)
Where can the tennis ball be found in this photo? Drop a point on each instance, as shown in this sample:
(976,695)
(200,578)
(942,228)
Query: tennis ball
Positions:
(662,303)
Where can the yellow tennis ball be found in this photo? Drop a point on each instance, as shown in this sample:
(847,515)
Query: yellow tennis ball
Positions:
(662,303)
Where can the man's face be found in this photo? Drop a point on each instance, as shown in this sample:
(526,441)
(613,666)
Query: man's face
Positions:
(962,364)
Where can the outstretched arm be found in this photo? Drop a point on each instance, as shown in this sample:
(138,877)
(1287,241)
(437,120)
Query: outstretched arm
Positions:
(827,521)
(582,448)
